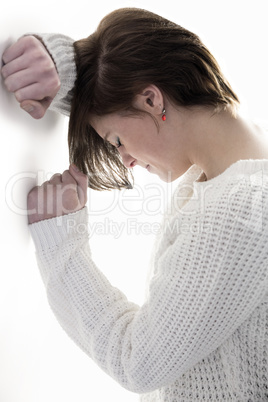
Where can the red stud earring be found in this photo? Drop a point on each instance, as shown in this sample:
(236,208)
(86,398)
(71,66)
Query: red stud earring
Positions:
(164,117)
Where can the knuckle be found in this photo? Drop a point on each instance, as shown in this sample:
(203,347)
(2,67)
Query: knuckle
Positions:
(52,79)
(66,172)
(4,72)
(54,178)
(33,193)
(35,56)
(56,82)
(8,83)
(50,87)
(68,178)
(30,41)
(6,54)
(4,57)
(18,95)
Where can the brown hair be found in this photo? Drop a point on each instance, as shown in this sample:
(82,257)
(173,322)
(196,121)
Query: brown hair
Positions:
(130,50)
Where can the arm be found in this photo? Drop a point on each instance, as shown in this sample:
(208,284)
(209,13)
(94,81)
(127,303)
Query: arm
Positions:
(61,49)
(41,73)
(205,286)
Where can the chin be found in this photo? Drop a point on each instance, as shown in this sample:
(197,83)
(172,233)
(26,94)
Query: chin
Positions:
(167,177)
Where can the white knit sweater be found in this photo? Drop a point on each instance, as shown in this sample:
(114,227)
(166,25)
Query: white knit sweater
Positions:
(202,332)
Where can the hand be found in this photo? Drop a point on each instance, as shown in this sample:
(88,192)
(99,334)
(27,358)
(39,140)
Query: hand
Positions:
(62,194)
(30,73)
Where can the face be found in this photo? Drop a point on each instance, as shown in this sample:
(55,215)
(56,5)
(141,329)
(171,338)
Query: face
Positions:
(146,140)
(140,142)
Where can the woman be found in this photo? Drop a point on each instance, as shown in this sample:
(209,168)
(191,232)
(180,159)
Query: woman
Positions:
(149,93)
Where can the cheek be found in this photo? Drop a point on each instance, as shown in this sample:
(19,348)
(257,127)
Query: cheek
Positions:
(141,137)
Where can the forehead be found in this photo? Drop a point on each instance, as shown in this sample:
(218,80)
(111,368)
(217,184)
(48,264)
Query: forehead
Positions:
(110,124)
(102,125)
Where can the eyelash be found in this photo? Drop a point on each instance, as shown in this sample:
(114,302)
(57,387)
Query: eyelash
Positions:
(118,143)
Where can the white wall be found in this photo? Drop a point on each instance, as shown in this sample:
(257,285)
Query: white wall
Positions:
(38,362)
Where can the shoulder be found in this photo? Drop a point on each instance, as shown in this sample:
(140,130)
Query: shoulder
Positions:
(242,182)
(235,199)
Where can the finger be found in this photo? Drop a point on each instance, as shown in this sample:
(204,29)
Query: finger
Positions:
(29,76)
(18,48)
(55,179)
(38,90)
(82,183)
(67,178)
(36,109)
(14,66)
(31,197)
(20,79)
(13,51)
(35,91)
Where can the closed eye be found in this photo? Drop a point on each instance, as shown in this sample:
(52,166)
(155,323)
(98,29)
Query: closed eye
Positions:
(118,143)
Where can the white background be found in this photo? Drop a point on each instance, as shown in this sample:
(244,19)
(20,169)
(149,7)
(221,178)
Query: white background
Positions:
(38,362)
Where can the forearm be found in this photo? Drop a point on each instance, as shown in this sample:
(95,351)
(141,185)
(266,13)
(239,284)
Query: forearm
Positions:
(92,312)
(196,301)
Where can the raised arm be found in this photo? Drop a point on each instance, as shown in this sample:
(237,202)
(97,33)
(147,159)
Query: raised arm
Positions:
(40,70)
(206,284)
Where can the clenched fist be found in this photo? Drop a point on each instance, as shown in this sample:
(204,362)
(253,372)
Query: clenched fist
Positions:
(30,73)
(62,194)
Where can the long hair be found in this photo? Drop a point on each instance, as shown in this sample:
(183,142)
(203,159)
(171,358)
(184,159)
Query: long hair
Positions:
(131,49)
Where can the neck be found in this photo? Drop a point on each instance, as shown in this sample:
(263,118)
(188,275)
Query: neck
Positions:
(221,139)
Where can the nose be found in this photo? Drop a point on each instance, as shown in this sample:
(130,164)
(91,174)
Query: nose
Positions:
(127,159)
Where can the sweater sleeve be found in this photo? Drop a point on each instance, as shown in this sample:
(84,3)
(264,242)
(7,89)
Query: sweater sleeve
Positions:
(206,283)
(61,49)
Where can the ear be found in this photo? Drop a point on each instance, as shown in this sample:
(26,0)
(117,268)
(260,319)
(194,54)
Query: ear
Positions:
(150,100)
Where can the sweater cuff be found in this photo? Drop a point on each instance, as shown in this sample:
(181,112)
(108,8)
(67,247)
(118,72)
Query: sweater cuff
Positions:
(60,48)
(51,233)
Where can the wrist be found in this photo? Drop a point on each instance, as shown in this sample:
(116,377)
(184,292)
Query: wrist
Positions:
(50,233)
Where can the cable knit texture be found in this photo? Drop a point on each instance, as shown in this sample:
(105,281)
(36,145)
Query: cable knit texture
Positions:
(202,332)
